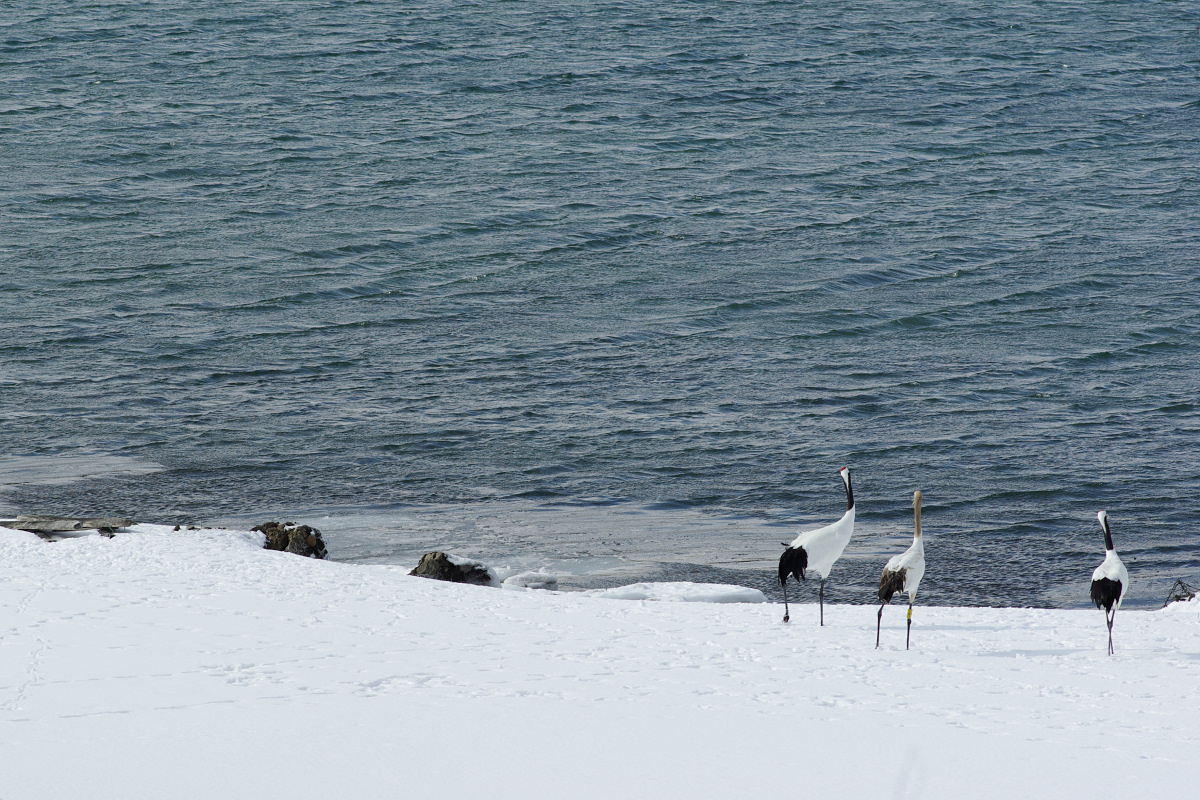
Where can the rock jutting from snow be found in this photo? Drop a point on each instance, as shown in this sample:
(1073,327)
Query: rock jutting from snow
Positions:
(302,540)
(442,567)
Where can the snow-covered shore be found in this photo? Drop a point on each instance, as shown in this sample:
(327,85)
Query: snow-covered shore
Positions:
(194,664)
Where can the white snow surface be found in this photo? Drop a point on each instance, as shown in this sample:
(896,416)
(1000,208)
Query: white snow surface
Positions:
(193,664)
(1184,606)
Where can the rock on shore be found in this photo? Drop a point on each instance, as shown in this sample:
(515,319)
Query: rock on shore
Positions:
(442,567)
(292,538)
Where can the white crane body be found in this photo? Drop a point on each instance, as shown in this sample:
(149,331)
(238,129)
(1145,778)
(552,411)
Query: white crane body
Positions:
(1110,580)
(903,573)
(825,545)
(1114,570)
(818,550)
(910,566)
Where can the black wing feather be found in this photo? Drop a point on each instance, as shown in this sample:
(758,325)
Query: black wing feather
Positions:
(793,561)
(890,583)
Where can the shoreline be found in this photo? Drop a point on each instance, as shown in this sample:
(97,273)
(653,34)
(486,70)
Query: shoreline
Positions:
(863,558)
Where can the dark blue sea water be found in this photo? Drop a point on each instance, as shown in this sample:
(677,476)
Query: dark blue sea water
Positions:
(614,287)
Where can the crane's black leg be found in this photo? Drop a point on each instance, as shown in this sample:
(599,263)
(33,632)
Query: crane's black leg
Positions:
(1109,619)
(821,598)
(878,622)
(786,615)
(908,631)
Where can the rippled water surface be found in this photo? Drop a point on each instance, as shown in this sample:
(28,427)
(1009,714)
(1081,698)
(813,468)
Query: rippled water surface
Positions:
(614,287)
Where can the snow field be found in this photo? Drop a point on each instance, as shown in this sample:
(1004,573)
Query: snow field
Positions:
(194,664)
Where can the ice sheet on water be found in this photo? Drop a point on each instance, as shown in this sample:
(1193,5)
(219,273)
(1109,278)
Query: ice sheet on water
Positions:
(25,470)
(537,579)
(680,591)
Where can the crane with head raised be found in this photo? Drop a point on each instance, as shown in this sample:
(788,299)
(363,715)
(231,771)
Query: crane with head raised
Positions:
(817,550)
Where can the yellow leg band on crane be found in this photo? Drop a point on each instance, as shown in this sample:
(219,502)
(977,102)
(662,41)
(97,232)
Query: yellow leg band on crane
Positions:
(910,612)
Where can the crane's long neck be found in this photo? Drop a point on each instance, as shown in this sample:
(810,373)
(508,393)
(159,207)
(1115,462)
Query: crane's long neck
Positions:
(849,489)
(1108,545)
(917,519)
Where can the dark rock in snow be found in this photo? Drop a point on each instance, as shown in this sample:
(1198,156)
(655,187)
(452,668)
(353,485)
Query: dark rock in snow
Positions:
(292,538)
(277,535)
(439,566)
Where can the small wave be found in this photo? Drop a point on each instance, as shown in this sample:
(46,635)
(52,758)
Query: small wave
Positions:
(870,279)
(366,248)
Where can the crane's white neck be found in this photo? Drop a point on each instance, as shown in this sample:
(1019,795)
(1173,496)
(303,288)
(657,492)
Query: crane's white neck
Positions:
(917,514)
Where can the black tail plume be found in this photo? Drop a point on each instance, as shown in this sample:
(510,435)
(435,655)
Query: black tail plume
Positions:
(889,583)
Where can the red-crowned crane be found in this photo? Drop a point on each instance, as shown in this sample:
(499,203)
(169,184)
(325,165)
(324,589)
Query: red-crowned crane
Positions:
(817,550)
(903,573)
(1110,580)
